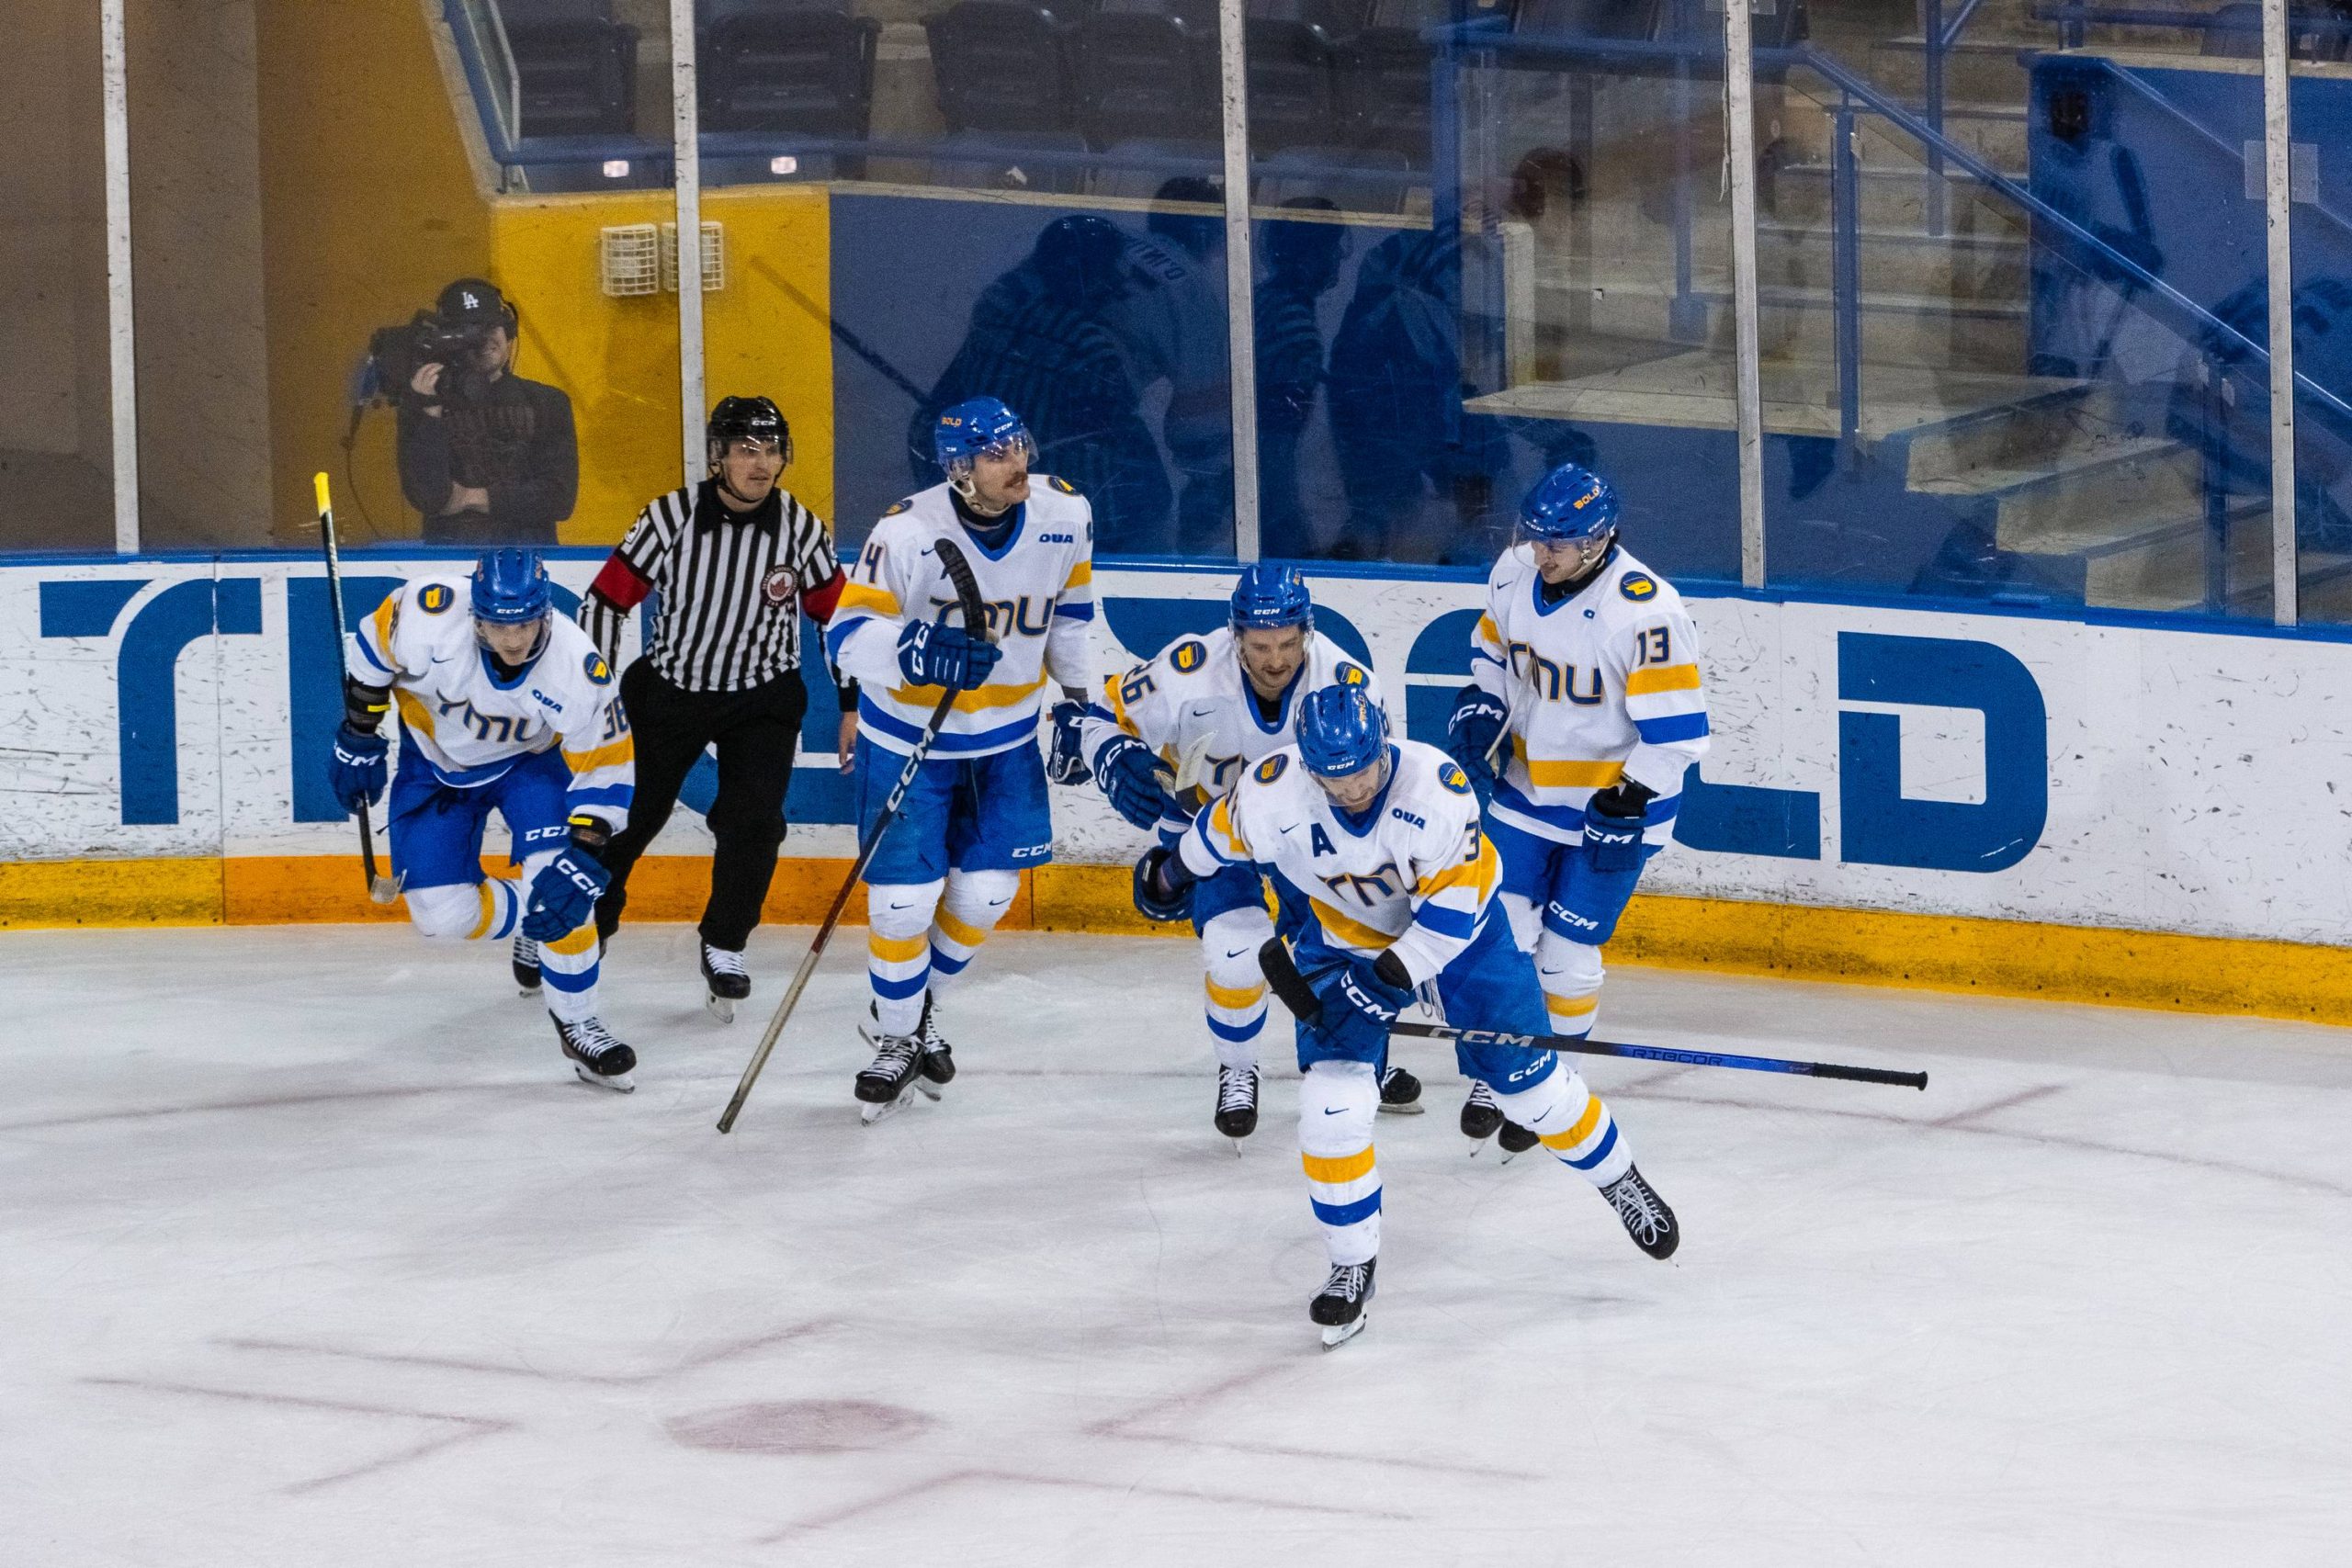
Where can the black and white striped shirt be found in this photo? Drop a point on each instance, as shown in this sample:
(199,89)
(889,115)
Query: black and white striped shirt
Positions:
(732,586)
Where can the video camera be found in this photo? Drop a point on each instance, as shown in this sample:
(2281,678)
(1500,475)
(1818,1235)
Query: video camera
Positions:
(452,335)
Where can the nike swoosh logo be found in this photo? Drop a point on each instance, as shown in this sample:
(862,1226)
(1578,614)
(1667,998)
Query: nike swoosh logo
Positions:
(1237,952)
(902,906)
(1201,713)
(1292,826)
(1333,1110)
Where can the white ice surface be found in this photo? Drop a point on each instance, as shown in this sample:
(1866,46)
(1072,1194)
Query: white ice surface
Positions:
(312,1253)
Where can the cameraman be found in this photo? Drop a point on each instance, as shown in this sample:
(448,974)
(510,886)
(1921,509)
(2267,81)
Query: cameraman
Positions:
(488,457)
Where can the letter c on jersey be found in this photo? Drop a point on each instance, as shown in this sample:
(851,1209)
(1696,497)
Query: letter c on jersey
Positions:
(1877,824)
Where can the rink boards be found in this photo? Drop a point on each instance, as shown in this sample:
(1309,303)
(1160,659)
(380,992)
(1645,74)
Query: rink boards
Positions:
(2021,803)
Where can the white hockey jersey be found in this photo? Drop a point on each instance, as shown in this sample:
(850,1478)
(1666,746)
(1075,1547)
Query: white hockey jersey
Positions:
(1415,879)
(1194,700)
(469,726)
(1040,595)
(1602,685)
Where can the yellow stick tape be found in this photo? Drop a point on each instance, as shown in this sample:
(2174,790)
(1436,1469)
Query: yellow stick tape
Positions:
(2053,962)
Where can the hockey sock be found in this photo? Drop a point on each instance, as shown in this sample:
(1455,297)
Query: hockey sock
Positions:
(1571,1122)
(973,902)
(1236,990)
(568,967)
(898,953)
(1337,1101)
(487,910)
(1570,973)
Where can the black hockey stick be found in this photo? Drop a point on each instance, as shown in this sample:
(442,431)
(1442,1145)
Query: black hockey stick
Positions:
(381,889)
(968,600)
(1283,976)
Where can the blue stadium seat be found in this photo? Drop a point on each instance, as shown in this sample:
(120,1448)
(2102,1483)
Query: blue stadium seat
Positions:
(1001,65)
(577,67)
(803,67)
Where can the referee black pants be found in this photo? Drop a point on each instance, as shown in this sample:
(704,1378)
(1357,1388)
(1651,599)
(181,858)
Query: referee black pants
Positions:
(756,732)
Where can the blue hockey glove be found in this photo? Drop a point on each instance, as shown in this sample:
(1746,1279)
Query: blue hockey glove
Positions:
(1471,732)
(1359,1002)
(358,771)
(564,893)
(1065,763)
(1614,820)
(1130,775)
(1163,885)
(931,653)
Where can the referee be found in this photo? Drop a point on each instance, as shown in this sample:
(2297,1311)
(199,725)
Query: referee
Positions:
(734,561)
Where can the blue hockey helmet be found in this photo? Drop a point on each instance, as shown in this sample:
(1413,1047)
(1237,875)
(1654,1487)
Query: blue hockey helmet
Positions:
(1341,731)
(974,426)
(1269,597)
(1570,505)
(510,587)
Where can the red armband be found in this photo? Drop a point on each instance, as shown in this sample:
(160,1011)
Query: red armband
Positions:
(820,601)
(619,585)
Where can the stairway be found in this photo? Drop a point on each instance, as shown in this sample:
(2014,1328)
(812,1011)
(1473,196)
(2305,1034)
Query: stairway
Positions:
(2074,484)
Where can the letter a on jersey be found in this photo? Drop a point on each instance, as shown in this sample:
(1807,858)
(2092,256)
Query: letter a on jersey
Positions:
(1320,840)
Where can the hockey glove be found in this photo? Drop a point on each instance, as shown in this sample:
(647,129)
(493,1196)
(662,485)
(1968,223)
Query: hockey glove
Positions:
(931,653)
(1471,732)
(1163,885)
(1359,1002)
(1614,820)
(564,893)
(1065,763)
(358,771)
(1131,776)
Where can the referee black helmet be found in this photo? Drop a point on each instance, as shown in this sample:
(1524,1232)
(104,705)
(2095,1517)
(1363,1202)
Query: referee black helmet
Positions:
(748,419)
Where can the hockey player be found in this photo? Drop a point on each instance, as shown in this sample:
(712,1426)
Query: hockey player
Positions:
(1220,702)
(946,871)
(1379,841)
(1586,661)
(503,707)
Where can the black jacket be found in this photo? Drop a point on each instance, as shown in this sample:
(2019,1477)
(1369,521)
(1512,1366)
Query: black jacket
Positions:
(516,440)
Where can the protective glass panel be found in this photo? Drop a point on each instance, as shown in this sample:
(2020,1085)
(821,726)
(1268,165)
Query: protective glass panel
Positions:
(2320,185)
(342,267)
(56,435)
(2012,293)
(1568,301)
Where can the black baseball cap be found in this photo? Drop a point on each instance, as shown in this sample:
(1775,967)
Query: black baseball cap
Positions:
(473,300)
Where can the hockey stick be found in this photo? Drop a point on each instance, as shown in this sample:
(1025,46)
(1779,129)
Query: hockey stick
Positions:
(1283,976)
(968,600)
(381,889)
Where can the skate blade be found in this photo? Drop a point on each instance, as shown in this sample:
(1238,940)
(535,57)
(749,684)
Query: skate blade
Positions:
(719,1007)
(1415,1109)
(869,1114)
(1510,1154)
(928,1089)
(618,1082)
(1339,1334)
(528,993)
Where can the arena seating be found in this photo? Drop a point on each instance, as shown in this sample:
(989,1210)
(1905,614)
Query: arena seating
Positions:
(801,66)
(577,66)
(1003,65)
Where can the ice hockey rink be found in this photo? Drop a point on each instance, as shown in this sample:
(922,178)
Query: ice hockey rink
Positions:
(315,1253)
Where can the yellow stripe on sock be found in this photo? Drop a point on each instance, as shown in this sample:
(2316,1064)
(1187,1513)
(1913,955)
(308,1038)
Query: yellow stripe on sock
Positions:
(489,911)
(1235,996)
(956,930)
(573,943)
(896,949)
(1571,1007)
(1347,1168)
(1563,1142)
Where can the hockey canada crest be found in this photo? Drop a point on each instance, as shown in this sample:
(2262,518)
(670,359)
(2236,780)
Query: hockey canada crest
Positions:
(777,586)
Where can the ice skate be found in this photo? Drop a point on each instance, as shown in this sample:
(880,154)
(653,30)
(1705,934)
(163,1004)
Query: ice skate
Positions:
(1340,1308)
(728,980)
(889,1082)
(595,1055)
(1237,1103)
(1515,1139)
(1400,1093)
(1645,1216)
(937,1069)
(525,962)
(1481,1117)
